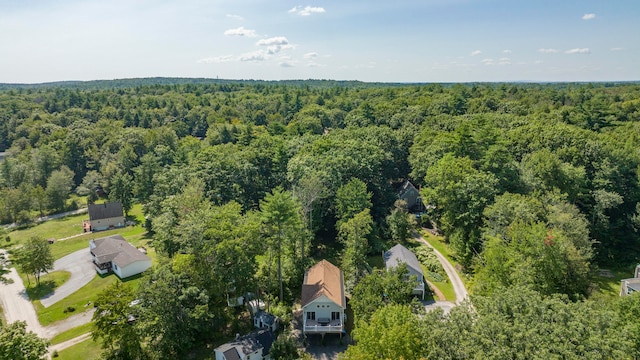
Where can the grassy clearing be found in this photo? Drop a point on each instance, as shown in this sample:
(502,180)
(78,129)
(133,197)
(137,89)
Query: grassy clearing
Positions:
(607,283)
(82,300)
(56,228)
(72,225)
(48,283)
(70,334)
(445,288)
(86,350)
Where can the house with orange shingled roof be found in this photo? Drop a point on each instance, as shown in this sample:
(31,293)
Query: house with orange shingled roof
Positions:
(323,299)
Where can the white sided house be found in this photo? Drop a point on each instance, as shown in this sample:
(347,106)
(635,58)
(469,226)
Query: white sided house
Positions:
(398,255)
(323,300)
(114,253)
(104,217)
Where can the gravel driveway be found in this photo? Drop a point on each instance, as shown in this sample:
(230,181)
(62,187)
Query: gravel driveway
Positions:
(82,271)
(16,304)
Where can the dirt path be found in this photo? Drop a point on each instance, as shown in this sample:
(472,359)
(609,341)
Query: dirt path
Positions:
(69,323)
(436,291)
(69,343)
(454,277)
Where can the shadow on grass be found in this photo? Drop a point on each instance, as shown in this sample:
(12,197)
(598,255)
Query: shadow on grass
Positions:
(37,292)
(130,278)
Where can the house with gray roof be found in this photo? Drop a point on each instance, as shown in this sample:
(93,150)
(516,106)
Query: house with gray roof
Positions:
(253,346)
(411,195)
(401,255)
(104,217)
(114,253)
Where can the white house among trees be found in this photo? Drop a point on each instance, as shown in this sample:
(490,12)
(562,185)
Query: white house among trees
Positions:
(323,299)
(114,253)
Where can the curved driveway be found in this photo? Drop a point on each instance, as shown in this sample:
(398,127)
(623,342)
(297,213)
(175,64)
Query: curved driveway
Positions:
(456,281)
(82,271)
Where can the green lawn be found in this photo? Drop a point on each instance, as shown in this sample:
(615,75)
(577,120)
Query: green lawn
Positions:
(48,283)
(82,300)
(86,350)
(72,225)
(608,285)
(57,228)
(445,288)
(68,226)
(70,334)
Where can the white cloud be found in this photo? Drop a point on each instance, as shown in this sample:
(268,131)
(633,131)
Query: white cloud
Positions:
(314,64)
(504,61)
(235,17)
(274,49)
(548,51)
(578,51)
(217,59)
(286,64)
(476,52)
(538,62)
(254,56)
(488,61)
(241,31)
(278,40)
(617,49)
(306,11)
(506,51)
(311,55)
(588,16)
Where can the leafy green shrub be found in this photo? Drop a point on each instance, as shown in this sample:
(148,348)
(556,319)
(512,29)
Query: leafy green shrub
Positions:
(69,309)
(428,258)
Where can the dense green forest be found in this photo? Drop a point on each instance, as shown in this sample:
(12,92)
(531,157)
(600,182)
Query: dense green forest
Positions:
(247,184)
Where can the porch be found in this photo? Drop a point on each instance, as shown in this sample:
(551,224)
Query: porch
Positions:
(102,268)
(323,326)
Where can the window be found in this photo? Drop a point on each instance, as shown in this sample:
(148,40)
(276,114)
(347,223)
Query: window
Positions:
(311,315)
(335,315)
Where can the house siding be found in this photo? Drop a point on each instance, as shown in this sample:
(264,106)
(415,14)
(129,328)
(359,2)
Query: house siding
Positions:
(322,307)
(105,224)
(131,269)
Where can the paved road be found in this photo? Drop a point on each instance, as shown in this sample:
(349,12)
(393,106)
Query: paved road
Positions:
(446,306)
(454,277)
(82,271)
(16,304)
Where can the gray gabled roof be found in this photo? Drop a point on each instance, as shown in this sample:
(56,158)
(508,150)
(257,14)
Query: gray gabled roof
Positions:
(117,250)
(400,254)
(105,211)
(247,344)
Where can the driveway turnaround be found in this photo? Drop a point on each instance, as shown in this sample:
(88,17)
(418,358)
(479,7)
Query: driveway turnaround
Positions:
(82,271)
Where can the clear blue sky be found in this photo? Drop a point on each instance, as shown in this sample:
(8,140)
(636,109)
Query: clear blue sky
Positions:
(390,41)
